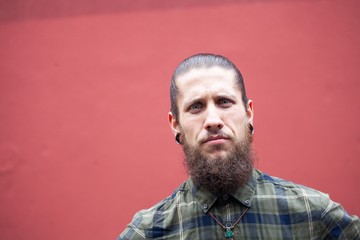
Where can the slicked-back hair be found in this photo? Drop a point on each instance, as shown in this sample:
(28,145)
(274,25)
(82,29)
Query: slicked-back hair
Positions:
(203,60)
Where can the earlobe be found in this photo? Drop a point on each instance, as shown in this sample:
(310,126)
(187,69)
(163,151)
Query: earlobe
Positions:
(178,138)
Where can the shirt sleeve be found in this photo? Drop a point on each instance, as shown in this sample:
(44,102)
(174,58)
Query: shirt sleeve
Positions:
(131,233)
(338,224)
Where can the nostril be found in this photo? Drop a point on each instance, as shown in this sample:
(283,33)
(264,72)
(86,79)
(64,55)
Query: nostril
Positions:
(212,127)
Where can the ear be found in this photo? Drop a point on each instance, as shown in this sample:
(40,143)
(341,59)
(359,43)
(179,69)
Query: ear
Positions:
(250,111)
(174,125)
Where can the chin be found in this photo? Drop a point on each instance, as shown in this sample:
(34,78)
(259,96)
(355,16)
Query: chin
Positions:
(218,156)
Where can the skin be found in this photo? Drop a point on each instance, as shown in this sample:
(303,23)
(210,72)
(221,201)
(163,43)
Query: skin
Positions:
(212,116)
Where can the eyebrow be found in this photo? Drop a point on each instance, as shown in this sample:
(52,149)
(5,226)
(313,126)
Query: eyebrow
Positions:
(196,99)
(187,104)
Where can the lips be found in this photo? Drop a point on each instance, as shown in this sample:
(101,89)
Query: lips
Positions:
(216,139)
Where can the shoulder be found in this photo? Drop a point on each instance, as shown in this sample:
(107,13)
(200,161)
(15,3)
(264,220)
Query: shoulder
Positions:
(328,218)
(267,184)
(295,197)
(148,223)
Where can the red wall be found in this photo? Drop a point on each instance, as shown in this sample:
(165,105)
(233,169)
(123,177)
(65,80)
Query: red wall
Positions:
(84,138)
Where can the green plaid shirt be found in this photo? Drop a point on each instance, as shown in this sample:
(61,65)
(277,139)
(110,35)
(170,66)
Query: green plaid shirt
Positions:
(276,209)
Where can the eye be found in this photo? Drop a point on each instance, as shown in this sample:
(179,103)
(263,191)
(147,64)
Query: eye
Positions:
(196,107)
(224,102)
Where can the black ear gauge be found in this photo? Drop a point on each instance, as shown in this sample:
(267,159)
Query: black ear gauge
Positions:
(177,138)
(251,127)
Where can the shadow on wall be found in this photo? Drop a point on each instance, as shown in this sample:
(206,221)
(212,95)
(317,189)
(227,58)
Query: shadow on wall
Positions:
(20,10)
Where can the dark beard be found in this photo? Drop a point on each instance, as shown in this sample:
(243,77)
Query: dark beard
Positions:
(221,175)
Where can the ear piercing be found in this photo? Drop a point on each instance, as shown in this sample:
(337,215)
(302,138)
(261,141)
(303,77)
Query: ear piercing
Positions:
(177,138)
(251,127)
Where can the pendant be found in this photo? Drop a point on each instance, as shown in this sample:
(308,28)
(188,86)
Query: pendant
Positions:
(229,234)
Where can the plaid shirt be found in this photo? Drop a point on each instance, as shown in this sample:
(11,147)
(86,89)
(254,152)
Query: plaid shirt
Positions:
(276,209)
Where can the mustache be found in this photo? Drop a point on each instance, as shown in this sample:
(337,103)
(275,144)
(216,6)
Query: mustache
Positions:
(213,136)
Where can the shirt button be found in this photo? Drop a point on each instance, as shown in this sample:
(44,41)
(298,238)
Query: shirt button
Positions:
(247,202)
(205,206)
(225,197)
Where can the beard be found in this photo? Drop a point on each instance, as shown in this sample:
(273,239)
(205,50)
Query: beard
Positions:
(222,174)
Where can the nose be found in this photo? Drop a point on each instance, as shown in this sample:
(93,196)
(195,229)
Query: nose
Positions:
(213,121)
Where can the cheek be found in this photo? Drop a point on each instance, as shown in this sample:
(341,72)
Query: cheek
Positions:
(191,130)
(243,129)
(238,126)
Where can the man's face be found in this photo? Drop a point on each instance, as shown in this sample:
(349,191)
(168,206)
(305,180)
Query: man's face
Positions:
(212,116)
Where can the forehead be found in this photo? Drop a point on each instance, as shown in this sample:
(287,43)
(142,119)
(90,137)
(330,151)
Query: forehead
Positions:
(212,80)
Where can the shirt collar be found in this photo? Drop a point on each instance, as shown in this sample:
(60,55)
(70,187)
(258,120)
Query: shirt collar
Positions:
(206,199)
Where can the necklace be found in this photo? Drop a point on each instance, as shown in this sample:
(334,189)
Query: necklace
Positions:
(228,229)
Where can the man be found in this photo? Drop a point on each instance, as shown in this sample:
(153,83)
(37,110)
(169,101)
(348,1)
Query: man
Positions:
(225,197)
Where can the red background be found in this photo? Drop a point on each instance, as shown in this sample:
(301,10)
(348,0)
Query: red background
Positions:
(84,138)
